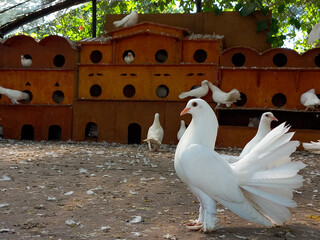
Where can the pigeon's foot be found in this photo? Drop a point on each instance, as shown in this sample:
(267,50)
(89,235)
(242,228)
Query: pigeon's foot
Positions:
(194,225)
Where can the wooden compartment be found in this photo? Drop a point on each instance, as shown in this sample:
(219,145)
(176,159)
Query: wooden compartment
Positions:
(126,121)
(33,122)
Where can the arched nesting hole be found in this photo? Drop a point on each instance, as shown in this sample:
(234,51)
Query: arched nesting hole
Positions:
(129,91)
(27,132)
(95,90)
(125,53)
(162,91)
(58,96)
(54,132)
(30,96)
(59,60)
(279,100)
(279,59)
(238,59)
(96,56)
(161,56)
(317,60)
(91,131)
(242,101)
(134,133)
(200,55)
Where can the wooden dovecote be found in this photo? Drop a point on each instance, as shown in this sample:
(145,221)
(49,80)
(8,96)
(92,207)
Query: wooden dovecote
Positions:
(161,70)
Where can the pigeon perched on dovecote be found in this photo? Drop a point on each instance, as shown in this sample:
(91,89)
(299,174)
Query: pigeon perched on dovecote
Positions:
(258,187)
(129,58)
(196,92)
(14,95)
(221,97)
(263,129)
(309,99)
(26,61)
(155,134)
(128,20)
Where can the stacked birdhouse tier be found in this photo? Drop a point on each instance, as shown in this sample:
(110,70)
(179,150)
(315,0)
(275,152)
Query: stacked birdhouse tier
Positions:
(37,87)
(278,80)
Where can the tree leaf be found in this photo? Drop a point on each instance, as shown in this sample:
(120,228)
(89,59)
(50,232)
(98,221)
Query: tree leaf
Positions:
(262,25)
(248,9)
(281,7)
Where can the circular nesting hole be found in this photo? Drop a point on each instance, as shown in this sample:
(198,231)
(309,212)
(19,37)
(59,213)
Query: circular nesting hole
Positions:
(238,59)
(280,59)
(30,96)
(242,101)
(200,55)
(58,96)
(59,60)
(95,90)
(317,60)
(162,91)
(161,56)
(95,56)
(279,100)
(129,91)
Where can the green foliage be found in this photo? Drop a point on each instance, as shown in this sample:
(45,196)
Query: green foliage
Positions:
(289,17)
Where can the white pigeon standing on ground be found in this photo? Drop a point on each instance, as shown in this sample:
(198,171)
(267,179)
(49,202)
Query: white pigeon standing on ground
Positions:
(314,35)
(129,58)
(196,92)
(313,147)
(14,95)
(182,129)
(263,129)
(155,134)
(26,61)
(258,187)
(221,97)
(128,20)
(309,99)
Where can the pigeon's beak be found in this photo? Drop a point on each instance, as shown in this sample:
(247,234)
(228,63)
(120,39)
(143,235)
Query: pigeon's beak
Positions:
(274,119)
(184,111)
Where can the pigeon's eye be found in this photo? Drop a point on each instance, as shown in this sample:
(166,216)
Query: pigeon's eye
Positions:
(194,104)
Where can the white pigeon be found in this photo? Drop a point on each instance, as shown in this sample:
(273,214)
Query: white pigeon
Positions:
(221,97)
(155,134)
(197,92)
(309,99)
(26,61)
(129,58)
(314,35)
(313,147)
(258,187)
(182,129)
(128,20)
(254,122)
(263,129)
(14,95)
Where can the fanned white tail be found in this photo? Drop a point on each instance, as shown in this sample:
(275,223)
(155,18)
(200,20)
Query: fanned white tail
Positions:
(313,147)
(267,175)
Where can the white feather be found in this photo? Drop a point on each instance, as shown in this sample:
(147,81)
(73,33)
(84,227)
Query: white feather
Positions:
(14,95)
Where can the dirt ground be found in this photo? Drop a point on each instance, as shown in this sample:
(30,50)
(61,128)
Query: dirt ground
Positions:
(68,190)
